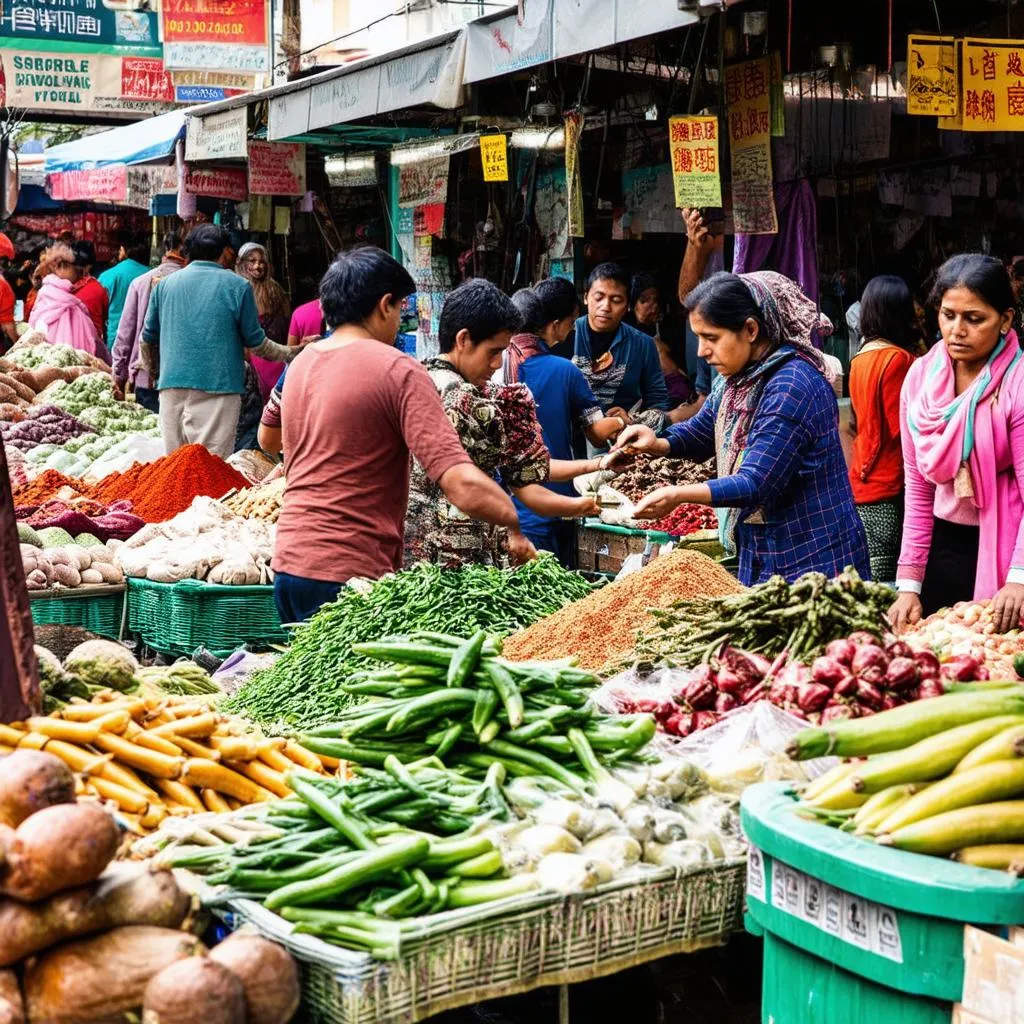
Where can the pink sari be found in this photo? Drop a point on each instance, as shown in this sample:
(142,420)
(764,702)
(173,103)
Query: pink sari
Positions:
(63,317)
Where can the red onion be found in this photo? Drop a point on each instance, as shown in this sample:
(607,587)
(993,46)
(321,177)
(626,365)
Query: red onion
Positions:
(846,687)
(930,688)
(870,663)
(703,719)
(842,651)
(828,671)
(863,637)
(730,682)
(869,694)
(751,668)
(962,669)
(890,700)
(813,696)
(928,664)
(699,690)
(901,674)
(838,711)
(726,702)
(899,649)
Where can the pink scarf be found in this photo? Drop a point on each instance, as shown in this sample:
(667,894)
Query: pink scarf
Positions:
(521,348)
(963,440)
(63,317)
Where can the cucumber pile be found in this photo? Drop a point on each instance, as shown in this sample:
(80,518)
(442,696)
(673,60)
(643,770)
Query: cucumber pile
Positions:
(943,777)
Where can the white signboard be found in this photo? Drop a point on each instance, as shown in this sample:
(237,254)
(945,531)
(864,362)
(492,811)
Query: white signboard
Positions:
(220,136)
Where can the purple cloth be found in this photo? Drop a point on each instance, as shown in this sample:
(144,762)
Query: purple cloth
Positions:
(794,250)
(126,363)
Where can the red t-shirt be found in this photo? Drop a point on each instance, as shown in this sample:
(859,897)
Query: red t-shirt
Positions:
(352,414)
(96,300)
(6,311)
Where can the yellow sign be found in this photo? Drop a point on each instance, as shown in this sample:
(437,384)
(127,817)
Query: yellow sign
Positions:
(993,85)
(695,169)
(749,116)
(494,154)
(933,82)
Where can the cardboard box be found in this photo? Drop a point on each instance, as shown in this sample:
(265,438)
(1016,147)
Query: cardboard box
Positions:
(962,1016)
(993,978)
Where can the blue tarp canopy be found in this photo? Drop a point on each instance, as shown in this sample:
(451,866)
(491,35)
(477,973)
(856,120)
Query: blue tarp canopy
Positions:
(138,143)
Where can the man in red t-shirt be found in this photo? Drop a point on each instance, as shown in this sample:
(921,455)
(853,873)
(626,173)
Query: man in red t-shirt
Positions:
(353,410)
(88,289)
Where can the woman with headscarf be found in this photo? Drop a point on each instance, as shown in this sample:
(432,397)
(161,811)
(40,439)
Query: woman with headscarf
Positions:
(271,304)
(783,494)
(60,315)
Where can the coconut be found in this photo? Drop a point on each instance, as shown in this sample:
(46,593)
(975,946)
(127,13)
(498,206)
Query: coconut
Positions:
(197,989)
(268,974)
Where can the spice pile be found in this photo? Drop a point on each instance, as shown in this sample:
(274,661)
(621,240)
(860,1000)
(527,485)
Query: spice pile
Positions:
(42,424)
(262,502)
(687,519)
(646,474)
(46,487)
(305,686)
(603,626)
(160,490)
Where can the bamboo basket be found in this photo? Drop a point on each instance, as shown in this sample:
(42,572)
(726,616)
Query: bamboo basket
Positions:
(540,939)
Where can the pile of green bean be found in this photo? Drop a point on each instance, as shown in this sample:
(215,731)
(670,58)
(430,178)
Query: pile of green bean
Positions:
(800,618)
(306,685)
(459,701)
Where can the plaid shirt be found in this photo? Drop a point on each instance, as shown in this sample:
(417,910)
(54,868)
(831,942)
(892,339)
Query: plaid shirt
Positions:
(799,515)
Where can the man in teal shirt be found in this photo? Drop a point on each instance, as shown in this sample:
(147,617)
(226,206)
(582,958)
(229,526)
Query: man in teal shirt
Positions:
(202,321)
(133,262)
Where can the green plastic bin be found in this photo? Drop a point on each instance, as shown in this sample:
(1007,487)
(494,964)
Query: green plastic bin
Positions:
(855,932)
(178,618)
(100,613)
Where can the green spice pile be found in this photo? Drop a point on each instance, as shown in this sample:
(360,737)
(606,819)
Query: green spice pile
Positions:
(304,686)
(800,618)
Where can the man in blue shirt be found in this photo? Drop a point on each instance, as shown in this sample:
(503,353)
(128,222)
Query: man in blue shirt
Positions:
(203,320)
(133,262)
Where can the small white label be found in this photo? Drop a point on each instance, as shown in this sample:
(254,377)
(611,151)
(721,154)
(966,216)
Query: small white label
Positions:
(755,875)
(859,922)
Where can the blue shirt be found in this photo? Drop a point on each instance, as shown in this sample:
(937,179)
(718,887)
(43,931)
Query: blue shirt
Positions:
(203,317)
(635,376)
(794,472)
(117,281)
(564,401)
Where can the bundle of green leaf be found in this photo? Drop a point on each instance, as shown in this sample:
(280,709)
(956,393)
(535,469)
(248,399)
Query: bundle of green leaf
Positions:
(304,686)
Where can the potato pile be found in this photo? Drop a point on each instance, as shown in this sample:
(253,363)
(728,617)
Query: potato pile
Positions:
(86,941)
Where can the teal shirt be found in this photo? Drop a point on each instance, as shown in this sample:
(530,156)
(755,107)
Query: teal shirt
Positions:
(203,318)
(116,280)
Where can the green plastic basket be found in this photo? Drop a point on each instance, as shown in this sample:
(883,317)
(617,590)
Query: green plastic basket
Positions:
(178,618)
(99,613)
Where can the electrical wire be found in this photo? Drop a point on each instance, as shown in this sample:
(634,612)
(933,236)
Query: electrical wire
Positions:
(938,20)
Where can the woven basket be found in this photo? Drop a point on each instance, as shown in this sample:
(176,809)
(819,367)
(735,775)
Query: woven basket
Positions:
(466,956)
(179,618)
(100,613)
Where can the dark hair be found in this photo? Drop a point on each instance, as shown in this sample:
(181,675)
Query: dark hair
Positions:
(642,283)
(725,301)
(171,241)
(983,275)
(85,252)
(531,310)
(609,272)
(138,249)
(559,297)
(206,242)
(479,307)
(887,312)
(356,282)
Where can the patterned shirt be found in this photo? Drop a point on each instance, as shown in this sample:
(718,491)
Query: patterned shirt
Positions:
(497,425)
(799,514)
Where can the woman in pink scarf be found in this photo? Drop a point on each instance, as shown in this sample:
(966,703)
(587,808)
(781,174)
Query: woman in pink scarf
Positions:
(58,314)
(962,418)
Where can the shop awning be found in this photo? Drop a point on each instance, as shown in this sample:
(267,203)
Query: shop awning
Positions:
(139,143)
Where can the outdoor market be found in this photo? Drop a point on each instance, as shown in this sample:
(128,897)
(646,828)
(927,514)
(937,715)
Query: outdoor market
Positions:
(512,515)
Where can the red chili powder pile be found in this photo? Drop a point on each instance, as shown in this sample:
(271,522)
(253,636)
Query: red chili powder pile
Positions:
(45,486)
(160,490)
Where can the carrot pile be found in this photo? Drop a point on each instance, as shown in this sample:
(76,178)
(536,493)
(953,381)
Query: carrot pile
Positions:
(159,755)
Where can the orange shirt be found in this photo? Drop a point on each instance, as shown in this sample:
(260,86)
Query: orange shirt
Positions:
(877,373)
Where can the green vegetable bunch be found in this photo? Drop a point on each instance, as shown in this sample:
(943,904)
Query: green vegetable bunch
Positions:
(305,686)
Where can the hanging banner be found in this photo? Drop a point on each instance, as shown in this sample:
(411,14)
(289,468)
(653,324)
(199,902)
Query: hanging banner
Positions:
(494,156)
(217,182)
(933,82)
(423,182)
(993,85)
(778,97)
(88,26)
(573,178)
(99,185)
(277,169)
(214,35)
(218,136)
(144,78)
(748,105)
(143,183)
(696,175)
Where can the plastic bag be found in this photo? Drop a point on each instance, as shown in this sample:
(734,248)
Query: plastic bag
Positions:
(123,455)
(254,466)
(237,667)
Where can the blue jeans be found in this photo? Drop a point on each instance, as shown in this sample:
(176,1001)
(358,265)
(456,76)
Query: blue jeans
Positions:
(299,599)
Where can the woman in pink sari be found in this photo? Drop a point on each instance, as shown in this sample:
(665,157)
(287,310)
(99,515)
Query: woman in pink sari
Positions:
(58,314)
(962,429)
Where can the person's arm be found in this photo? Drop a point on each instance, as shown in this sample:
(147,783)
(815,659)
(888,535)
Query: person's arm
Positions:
(476,495)
(682,413)
(601,431)
(254,338)
(269,439)
(1008,603)
(553,505)
(699,246)
(563,470)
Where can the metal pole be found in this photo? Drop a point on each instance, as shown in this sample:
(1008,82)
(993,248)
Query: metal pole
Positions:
(563,1004)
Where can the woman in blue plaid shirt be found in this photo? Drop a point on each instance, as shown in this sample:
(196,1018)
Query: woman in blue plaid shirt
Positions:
(783,494)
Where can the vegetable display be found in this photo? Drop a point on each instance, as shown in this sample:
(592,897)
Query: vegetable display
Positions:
(601,627)
(44,354)
(424,597)
(262,502)
(83,518)
(647,473)
(771,619)
(943,777)
(685,520)
(69,566)
(967,631)
(43,424)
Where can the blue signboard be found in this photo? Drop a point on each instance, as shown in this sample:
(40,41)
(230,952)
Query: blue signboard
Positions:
(81,26)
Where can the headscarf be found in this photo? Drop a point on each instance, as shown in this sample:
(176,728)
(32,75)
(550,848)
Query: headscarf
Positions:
(789,318)
(521,348)
(63,317)
(271,298)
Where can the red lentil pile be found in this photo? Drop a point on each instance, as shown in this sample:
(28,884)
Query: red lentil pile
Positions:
(46,486)
(603,626)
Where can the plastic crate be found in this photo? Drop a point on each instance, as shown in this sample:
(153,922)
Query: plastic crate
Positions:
(178,618)
(100,613)
(857,932)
